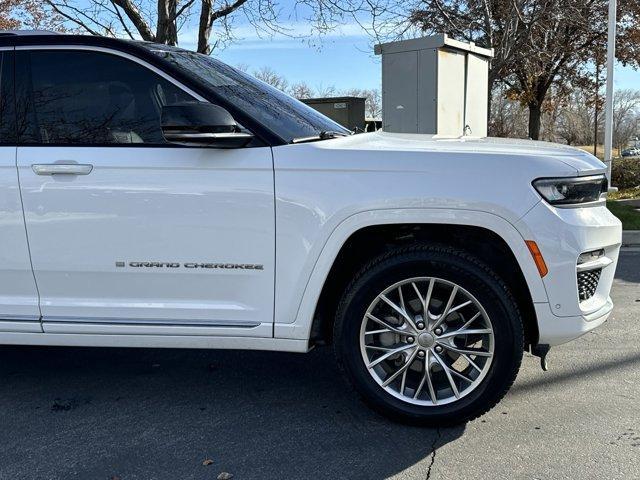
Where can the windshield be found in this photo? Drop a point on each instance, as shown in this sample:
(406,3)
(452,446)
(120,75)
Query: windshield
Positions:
(285,116)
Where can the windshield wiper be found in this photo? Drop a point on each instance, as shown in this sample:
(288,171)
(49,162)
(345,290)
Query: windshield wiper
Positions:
(323,135)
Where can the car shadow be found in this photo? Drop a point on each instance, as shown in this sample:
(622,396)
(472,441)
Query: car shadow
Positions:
(562,378)
(144,413)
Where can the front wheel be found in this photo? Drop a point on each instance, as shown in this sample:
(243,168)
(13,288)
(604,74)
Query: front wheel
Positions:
(429,335)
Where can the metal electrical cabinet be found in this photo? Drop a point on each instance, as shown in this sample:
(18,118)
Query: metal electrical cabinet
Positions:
(347,111)
(435,85)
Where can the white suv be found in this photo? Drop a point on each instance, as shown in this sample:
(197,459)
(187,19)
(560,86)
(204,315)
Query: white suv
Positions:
(154,197)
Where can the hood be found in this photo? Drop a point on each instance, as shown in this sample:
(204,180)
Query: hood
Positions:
(583,162)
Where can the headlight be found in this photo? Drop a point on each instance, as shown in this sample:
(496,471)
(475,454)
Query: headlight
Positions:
(571,191)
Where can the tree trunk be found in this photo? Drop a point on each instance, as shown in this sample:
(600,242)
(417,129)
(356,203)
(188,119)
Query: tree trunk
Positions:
(167,31)
(489,102)
(535,114)
(204,27)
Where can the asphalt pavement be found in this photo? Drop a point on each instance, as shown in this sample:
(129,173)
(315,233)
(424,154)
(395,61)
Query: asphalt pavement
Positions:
(80,413)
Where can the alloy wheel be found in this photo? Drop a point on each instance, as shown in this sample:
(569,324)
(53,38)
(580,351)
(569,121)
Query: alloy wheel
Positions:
(427,341)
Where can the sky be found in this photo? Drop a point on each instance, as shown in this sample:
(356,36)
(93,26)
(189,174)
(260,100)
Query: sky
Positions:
(342,58)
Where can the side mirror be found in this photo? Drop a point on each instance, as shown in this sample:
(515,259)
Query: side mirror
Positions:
(202,124)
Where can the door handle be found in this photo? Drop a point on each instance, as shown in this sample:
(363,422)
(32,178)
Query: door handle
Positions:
(62,169)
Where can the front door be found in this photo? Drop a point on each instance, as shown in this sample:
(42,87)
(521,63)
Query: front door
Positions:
(129,234)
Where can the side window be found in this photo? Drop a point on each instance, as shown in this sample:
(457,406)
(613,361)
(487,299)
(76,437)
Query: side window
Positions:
(84,97)
(7,102)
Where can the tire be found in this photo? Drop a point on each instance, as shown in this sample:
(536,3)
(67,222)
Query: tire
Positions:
(478,387)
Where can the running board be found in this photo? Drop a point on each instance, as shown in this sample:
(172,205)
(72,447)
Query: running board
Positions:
(154,341)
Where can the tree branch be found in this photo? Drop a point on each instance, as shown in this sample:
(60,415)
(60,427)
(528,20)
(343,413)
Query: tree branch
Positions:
(183,8)
(136,18)
(223,12)
(122,22)
(75,20)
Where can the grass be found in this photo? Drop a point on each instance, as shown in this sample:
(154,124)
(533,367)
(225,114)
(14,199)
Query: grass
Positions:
(600,151)
(628,215)
(589,148)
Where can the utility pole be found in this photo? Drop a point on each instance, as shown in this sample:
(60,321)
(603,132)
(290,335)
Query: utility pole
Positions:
(608,126)
(595,116)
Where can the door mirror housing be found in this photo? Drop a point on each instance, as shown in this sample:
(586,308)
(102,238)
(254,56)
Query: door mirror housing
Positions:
(202,124)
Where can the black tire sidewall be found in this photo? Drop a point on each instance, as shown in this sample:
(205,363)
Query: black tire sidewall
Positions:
(468,273)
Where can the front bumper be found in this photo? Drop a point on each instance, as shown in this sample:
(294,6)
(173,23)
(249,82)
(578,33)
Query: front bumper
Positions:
(562,235)
(556,331)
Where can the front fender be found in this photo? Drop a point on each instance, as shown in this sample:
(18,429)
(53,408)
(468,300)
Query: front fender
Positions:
(295,320)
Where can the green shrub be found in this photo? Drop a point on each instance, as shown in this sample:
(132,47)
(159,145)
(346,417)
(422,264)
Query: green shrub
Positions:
(626,173)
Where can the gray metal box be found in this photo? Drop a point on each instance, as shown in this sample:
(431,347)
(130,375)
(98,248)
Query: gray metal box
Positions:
(347,111)
(435,85)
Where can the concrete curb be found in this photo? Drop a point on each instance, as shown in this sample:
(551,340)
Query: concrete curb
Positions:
(631,238)
(633,202)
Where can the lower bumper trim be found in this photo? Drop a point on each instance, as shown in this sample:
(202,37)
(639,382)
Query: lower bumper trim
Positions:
(558,330)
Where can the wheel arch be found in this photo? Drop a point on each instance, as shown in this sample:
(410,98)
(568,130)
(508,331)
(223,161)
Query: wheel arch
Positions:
(367,234)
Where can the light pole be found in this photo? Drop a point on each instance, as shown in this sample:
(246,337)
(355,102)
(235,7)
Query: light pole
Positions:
(611,55)
(596,112)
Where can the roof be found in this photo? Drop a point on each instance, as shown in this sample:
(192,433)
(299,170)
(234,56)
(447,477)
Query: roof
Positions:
(45,37)
(14,38)
(332,99)
(11,33)
(434,41)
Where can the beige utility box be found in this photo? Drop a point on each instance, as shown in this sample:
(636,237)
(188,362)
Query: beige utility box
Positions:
(435,85)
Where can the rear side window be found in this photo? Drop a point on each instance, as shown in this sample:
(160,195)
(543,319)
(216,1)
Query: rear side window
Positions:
(89,98)
(7,100)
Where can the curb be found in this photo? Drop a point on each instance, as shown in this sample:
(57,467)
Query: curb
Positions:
(631,238)
(633,202)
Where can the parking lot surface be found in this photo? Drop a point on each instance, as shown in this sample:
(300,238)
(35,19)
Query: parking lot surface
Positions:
(80,413)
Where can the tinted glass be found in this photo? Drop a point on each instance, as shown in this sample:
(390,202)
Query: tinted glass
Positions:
(82,97)
(7,116)
(277,111)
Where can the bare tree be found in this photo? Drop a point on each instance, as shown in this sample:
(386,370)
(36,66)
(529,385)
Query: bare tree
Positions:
(626,111)
(161,21)
(327,91)
(570,117)
(508,117)
(269,76)
(575,122)
(373,100)
(301,90)
(243,67)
